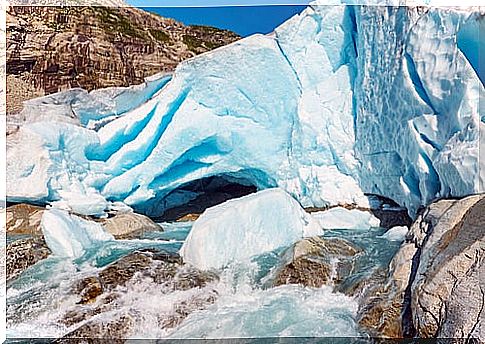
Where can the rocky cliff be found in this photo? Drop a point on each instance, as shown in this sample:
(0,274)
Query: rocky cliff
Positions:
(434,286)
(50,49)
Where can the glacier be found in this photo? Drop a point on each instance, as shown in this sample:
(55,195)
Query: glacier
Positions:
(246,227)
(338,102)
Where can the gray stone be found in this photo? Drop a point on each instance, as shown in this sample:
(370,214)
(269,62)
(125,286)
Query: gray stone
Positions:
(129,225)
(447,291)
(433,286)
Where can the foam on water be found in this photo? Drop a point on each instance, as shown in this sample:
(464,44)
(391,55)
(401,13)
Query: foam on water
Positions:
(240,304)
(286,311)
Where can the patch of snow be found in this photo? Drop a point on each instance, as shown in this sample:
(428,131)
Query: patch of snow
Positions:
(342,218)
(397,233)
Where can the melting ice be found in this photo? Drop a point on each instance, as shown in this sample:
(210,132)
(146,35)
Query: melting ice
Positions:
(320,108)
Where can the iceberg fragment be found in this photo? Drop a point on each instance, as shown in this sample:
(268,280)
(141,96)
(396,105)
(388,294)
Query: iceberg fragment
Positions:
(242,228)
(69,235)
(341,218)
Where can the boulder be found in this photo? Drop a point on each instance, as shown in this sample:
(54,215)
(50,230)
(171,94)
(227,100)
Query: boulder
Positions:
(315,261)
(129,225)
(447,294)
(433,286)
(24,219)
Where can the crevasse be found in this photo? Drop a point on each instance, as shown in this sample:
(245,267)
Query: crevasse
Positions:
(339,101)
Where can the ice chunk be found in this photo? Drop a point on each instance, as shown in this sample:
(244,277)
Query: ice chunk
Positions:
(342,218)
(242,228)
(69,235)
(397,233)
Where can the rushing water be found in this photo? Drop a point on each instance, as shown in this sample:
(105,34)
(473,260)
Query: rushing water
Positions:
(244,307)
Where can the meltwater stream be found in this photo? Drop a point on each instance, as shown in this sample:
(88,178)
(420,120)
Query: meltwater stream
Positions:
(244,307)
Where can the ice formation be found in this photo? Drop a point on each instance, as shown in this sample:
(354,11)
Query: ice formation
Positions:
(397,233)
(339,101)
(245,227)
(341,218)
(69,235)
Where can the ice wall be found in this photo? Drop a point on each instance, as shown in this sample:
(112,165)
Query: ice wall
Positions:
(339,101)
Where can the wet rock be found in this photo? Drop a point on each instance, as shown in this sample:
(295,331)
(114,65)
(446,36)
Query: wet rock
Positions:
(115,330)
(23,253)
(316,261)
(100,294)
(447,294)
(185,308)
(89,288)
(24,219)
(129,225)
(381,296)
(78,314)
(433,286)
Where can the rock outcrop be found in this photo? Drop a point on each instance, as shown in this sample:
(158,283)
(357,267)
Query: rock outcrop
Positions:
(51,49)
(447,293)
(315,261)
(433,288)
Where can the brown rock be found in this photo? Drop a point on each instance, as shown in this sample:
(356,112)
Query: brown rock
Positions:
(129,225)
(89,288)
(188,217)
(24,219)
(100,294)
(51,49)
(315,261)
(114,330)
(22,254)
(433,287)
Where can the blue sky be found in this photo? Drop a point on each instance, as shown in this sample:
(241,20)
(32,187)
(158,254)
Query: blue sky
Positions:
(244,20)
(212,3)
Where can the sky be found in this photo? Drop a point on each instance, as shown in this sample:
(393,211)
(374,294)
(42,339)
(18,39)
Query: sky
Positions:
(243,20)
(212,3)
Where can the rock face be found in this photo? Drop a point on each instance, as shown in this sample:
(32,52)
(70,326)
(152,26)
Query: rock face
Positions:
(447,294)
(433,288)
(381,296)
(50,49)
(314,262)
(129,225)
